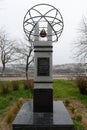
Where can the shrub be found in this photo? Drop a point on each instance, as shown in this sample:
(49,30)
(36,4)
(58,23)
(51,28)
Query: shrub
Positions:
(12,113)
(78,117)
(28,84)
(67,102)
(82,84)
(73,109)
(13,110)
(20,102)
(15,85)
(5,89)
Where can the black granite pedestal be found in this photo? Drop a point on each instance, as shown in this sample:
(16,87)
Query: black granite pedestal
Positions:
(26,119)
(43,100)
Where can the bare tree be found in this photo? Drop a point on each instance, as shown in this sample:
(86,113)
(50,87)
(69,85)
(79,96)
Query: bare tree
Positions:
(81,44)
(7,50)
(25,51)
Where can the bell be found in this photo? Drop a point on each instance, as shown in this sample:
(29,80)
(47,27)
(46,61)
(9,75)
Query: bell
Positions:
(43,33)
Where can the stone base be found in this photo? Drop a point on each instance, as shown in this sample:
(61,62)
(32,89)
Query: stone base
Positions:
(26,119)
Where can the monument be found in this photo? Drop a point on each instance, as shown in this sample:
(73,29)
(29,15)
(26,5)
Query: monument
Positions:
(43,25)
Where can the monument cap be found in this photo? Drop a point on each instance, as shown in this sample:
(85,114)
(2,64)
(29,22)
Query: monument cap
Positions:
(44,15)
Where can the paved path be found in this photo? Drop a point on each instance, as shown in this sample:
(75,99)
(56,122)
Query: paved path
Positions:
(11,78)
(65,77)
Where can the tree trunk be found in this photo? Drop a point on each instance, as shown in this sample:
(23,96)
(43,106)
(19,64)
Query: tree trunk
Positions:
(27,74)
(3,69)
(27,69)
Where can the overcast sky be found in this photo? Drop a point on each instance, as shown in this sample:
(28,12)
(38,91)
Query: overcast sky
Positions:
(12,13)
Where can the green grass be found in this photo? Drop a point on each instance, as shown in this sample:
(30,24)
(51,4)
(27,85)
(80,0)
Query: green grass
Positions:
(78,125)
(65,89)
(68,90)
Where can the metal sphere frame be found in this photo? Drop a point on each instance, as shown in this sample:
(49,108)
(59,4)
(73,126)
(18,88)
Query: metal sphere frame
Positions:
(43,14)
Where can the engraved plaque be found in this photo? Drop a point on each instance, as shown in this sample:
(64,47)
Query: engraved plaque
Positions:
(43,66)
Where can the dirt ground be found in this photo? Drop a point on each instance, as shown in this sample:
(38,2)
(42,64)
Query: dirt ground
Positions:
(82,111)
(75,103)
(3,124)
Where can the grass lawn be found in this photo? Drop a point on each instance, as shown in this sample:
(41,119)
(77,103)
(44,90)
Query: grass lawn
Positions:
(68,90)
(62,90)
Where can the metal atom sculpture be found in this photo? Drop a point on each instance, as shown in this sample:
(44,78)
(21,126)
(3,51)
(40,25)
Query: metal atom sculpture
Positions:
(43,14)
